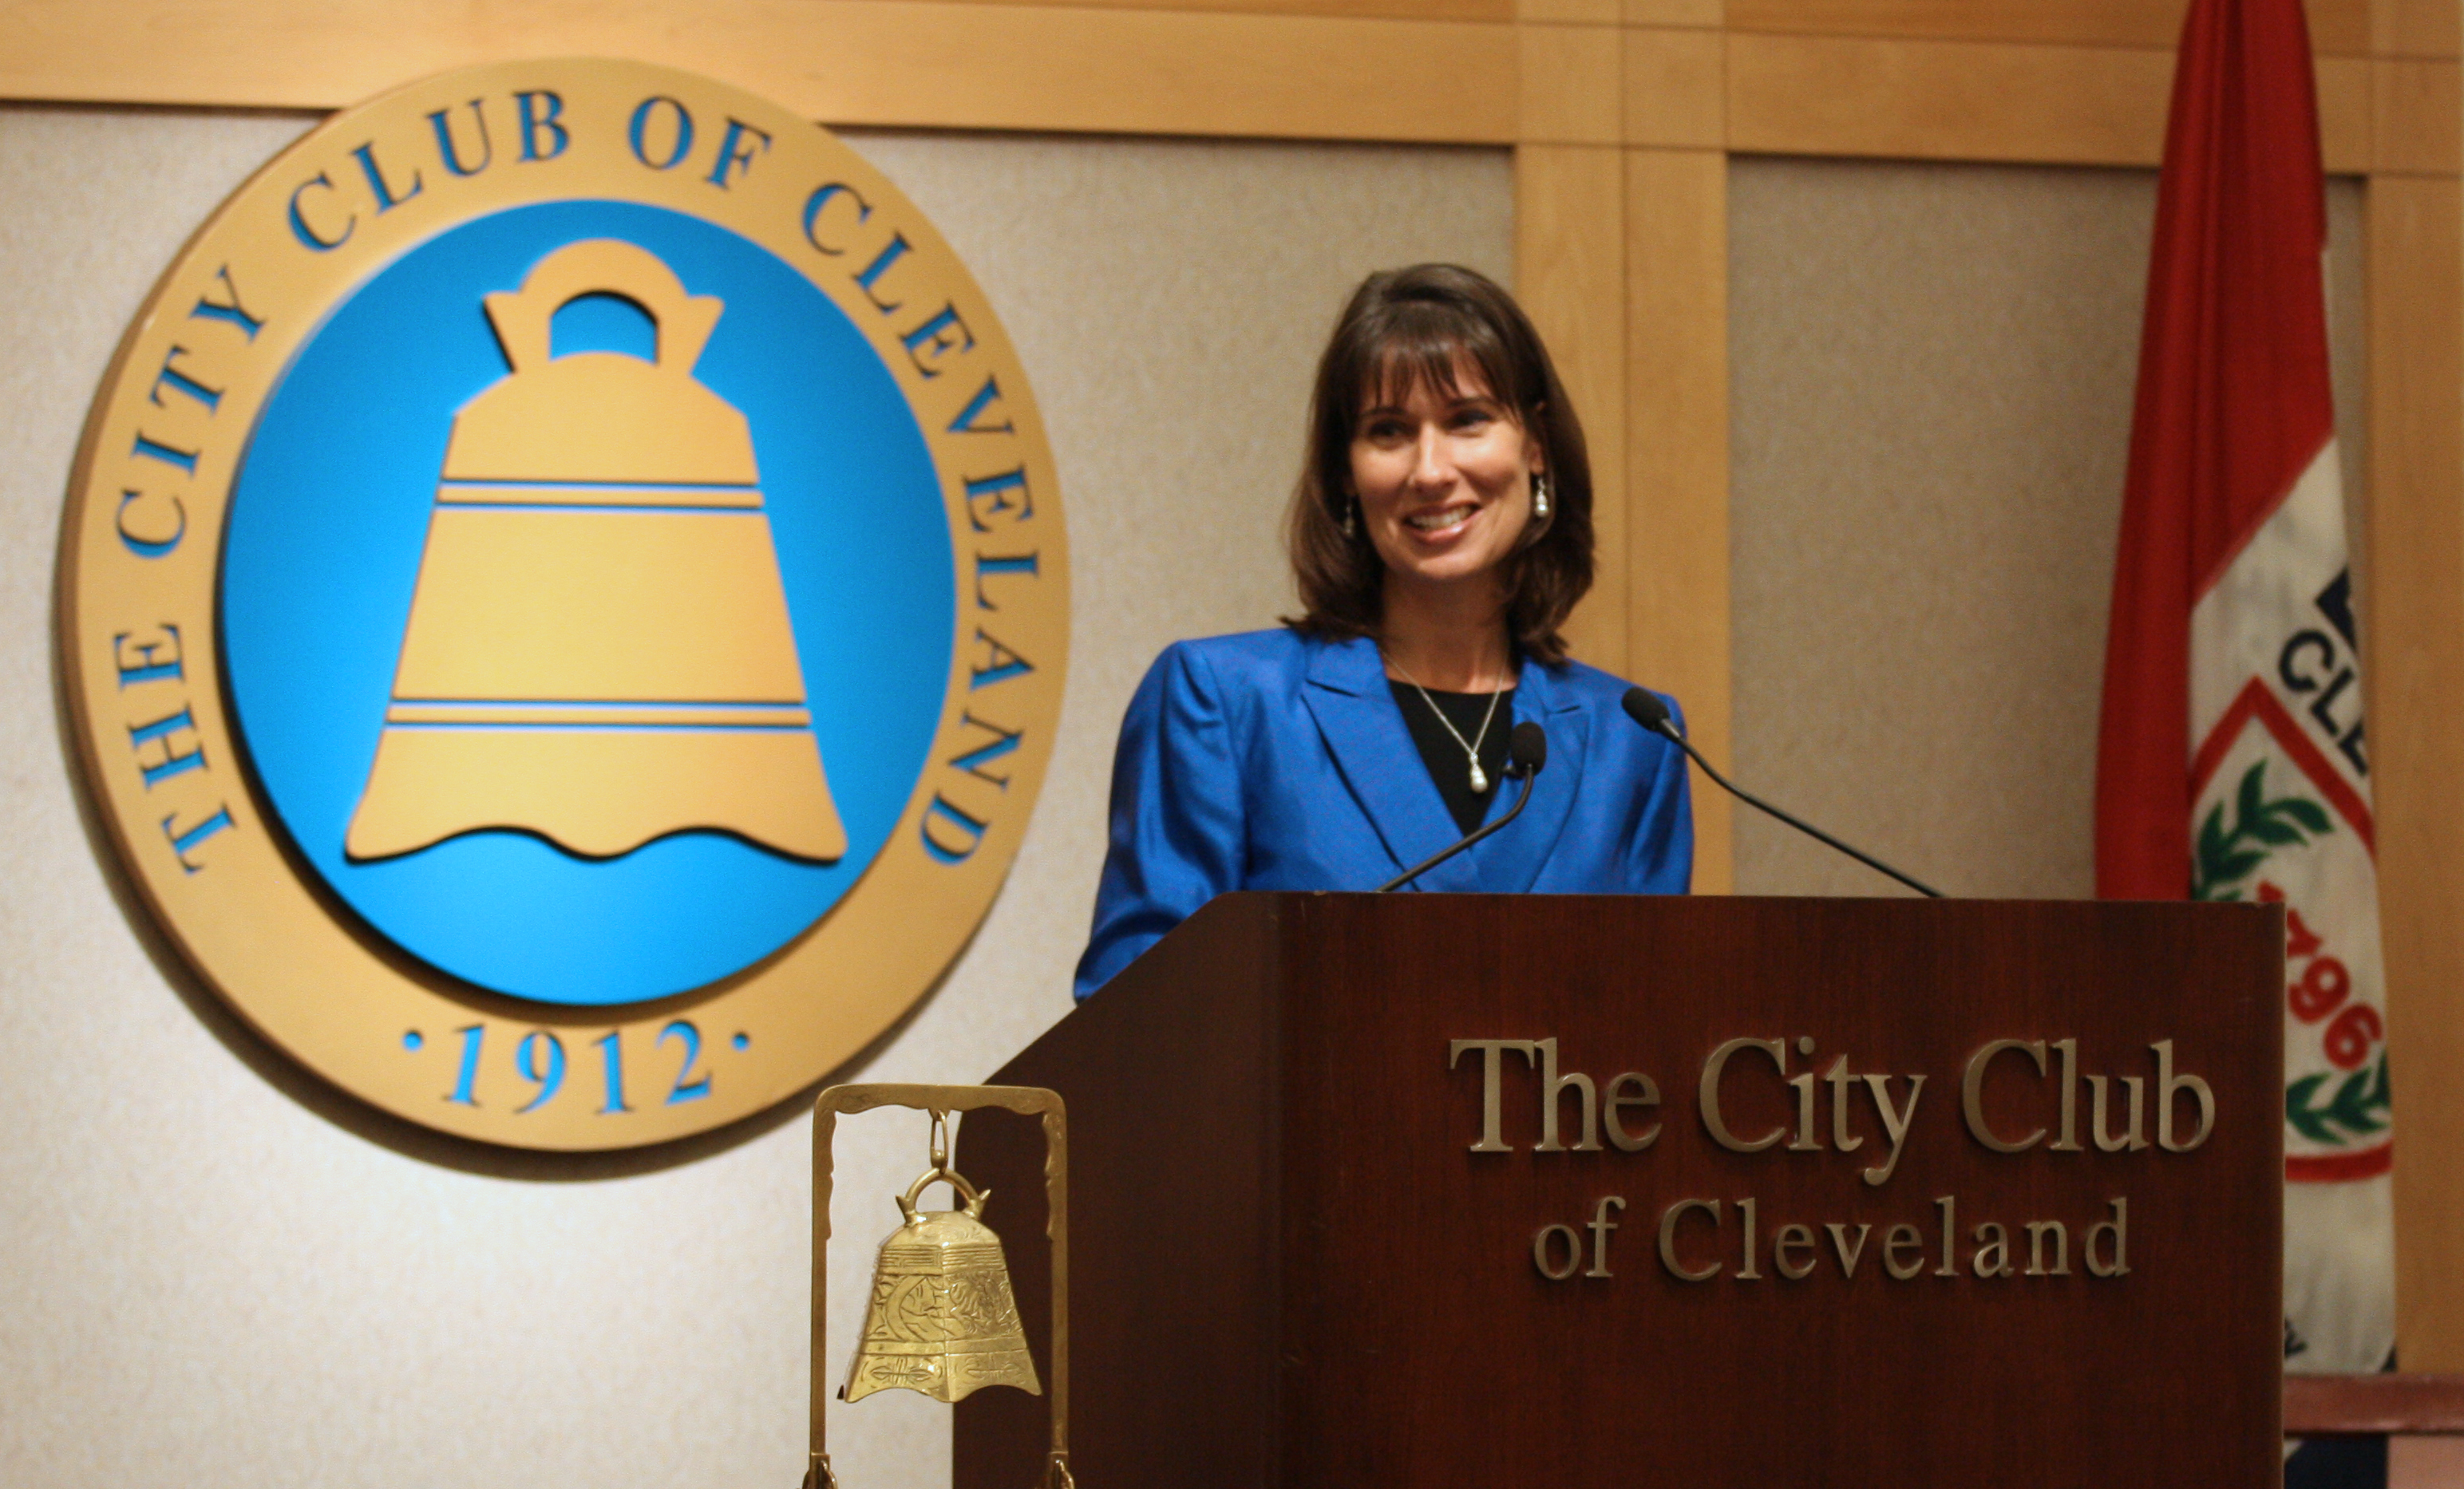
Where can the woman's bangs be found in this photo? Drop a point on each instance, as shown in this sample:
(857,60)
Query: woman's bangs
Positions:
(1425,348)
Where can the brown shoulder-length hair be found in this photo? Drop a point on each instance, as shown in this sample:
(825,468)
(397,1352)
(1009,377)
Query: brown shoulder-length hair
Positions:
(1411,328)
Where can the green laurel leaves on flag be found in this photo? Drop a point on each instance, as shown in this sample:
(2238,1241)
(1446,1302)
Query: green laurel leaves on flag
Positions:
(2226,856)
(2359,1105)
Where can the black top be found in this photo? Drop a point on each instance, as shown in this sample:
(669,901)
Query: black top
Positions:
(1448,766)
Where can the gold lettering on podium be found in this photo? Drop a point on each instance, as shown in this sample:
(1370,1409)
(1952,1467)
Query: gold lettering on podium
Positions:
(2166,1084)
(1491,1056)
(1796,1249)
(1646,1093)
(1971,1094)
(1668,1219)
(1709,1094)
(1987,1248)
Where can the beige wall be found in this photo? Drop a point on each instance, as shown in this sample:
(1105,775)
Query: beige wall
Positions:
(211,1270)
(1933,370)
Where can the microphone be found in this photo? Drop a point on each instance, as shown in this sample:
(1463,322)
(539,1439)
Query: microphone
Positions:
(1644,707)
(1527,750)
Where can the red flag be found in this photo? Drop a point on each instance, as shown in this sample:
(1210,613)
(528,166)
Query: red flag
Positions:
(2232,764)
(2233,402)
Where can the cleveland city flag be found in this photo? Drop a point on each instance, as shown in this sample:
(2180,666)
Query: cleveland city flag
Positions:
(2232,764)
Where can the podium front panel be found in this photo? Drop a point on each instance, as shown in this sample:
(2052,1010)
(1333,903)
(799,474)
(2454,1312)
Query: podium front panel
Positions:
(1760,1249)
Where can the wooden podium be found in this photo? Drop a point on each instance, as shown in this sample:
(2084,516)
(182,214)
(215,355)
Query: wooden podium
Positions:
(1292,1265)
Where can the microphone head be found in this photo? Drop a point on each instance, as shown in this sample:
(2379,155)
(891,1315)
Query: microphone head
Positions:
(1527,750)
(1644,707)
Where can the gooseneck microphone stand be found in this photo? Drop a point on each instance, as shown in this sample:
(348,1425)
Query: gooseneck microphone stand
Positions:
(1527,750)
(1644,707)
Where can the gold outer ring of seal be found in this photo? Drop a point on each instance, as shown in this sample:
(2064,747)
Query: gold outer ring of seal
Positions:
(139,561)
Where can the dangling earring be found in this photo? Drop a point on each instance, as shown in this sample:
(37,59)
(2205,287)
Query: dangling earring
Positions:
(1351,522)
(1539,497)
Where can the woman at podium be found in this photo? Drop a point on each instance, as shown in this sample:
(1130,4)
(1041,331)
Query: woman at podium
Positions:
(1440,535)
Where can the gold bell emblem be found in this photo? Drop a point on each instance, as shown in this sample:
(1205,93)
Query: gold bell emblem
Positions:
(599,648)
(941,1320)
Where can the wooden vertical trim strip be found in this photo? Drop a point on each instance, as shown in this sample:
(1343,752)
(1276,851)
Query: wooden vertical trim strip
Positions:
(2417,112)
(1674,92)
(1572,79)
(1569,270)
(1677,402)
(1570,276)
(2416,332)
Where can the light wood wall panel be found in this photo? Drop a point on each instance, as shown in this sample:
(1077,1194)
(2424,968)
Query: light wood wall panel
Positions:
(1572,92)
(1893,83)
(1945,100)
(1576,12)
(2416,288)
(1570,276)
(2415,28)
(1987,101)
(1676,88)
(2339,27)
(1677,417)
(1498,11)
(1676,13)
(2418,110)
(1621,259)
(884,62)
(1570,266)
(2347,116)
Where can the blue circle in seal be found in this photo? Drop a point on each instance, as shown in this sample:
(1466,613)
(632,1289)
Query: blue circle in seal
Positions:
(329,518)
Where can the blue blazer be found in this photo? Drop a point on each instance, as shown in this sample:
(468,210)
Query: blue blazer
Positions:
(1274,760)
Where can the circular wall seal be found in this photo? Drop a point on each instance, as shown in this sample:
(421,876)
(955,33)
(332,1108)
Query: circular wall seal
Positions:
(565,604)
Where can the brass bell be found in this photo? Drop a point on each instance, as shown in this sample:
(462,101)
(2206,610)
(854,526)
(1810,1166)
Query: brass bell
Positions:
(942,1320)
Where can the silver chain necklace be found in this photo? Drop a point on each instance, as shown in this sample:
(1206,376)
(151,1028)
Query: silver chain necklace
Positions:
(1471,746)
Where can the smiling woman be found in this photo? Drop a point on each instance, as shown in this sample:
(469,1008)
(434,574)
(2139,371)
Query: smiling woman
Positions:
(1440,533)
(1439,432)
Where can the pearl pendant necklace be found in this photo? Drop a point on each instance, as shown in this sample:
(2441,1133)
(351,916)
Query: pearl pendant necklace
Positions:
(1471,746)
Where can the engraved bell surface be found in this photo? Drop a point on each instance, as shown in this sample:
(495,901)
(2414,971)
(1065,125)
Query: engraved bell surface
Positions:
(942,1319)
(599,649)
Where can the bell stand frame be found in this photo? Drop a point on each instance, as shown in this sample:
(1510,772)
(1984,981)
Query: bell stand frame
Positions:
(937,1102)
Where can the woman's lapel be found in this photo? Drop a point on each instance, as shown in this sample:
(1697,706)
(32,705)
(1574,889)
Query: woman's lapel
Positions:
(1354,707)
(1348,696)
